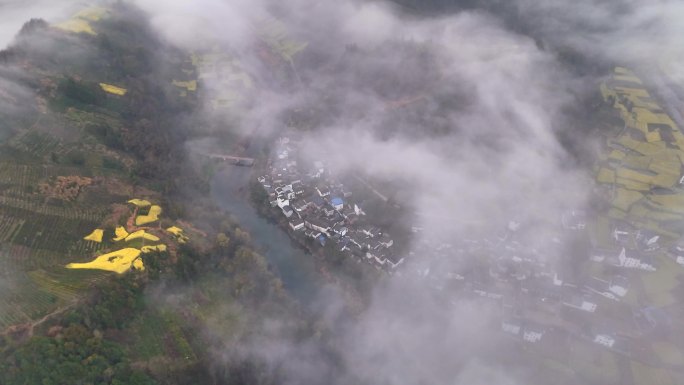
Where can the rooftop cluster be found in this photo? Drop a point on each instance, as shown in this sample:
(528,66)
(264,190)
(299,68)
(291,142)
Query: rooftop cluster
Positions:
(322,209)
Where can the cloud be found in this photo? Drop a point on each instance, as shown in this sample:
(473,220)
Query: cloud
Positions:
(634,32)
(14,13)
(459,112)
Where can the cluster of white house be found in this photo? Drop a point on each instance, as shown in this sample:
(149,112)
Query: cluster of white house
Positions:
(515,271)
(631,249)
(323,209)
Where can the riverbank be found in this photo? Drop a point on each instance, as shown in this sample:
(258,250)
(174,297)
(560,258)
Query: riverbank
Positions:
(353,275)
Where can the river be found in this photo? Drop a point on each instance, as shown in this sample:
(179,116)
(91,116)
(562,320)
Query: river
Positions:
(296,268)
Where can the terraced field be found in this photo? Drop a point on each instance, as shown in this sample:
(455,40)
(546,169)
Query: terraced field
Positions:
(40,234)
(644,165)
(32,295)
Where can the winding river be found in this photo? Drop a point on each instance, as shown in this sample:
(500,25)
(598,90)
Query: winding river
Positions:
(229,188)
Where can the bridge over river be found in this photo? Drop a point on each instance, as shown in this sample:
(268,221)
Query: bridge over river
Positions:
(235,160)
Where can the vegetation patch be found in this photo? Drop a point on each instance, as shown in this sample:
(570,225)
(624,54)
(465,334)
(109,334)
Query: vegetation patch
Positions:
(95,236)
(118,261)
(113,89)
(152,216)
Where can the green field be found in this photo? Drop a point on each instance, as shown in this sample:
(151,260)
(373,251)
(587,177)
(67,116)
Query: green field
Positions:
(647,375)
(659,284)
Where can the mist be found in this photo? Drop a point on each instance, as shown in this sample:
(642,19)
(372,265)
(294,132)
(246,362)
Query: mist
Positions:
(477,150)
(464,113)
(14,13)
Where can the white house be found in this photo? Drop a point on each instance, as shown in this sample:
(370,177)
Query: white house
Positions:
(386,241)
(587,306)
(337,203)
(532,334)
(287,211)
(556,280)
(394,261)
(574,220)
(323,191)
(280,202)
(511,327)
(632,260)
(579,303)
(605,340)
(317,225)
(340,229)
(621,235)
(618,286)
(600,287)
(296,224)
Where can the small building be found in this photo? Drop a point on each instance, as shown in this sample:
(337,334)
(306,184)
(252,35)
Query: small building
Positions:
(300,205)
(647,240)
(600,254)
(532,332)
(340,229)
(318,202)
(619,286)
(296,224)
(370,231)
(580,303)
(677,252)
(393,260)
(323,191)
(337,203)
(511,326)
(386,241)
(287,210)
(622,233)
(605,340)
(359,240)
(574,220)
(600,287)
(282,202)
(631,259)
(317,224)
(312,234)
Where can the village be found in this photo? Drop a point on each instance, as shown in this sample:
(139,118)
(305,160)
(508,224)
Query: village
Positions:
(607,281)
(539,298)
(319,208)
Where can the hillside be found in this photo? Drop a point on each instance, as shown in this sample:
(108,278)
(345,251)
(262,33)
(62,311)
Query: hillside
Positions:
(94,114)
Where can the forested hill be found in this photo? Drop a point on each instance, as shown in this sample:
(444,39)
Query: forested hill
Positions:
(94,113)
(65,69)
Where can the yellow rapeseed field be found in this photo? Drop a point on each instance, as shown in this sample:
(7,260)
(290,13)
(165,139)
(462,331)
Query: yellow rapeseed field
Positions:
(113,89)
(149,249)
(118,261)
(138,264)
(190,85)
(177,231)
(140,202)
(95,236)
(121,234)
(152,216)
(93,14)
(142,234)
(76,26)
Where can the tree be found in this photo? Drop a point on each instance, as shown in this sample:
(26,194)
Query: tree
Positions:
(222,241)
